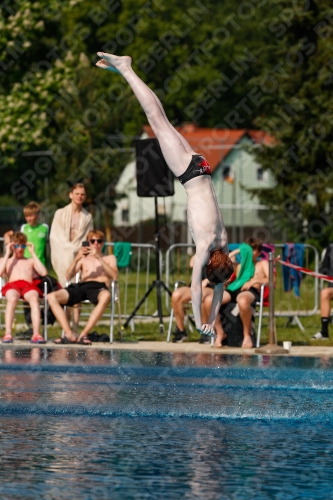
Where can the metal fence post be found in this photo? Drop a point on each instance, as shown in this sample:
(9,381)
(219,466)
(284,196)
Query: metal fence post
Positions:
(271,347)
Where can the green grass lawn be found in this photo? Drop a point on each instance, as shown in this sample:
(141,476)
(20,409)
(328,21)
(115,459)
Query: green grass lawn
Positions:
(150,331)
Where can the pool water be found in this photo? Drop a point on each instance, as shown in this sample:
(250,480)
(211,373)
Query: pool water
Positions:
(122,424)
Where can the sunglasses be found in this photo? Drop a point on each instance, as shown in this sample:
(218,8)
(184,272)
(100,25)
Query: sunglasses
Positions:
(96,240)
(20,246)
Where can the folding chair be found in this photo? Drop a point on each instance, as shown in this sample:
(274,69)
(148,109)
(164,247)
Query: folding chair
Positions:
(115,297)
(263,302)
(42,301)
(187,307)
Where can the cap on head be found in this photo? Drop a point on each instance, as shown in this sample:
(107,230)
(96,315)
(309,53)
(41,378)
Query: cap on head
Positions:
(219,267)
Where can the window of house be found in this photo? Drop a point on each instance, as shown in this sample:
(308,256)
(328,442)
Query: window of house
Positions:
(226,171)
(260,174)
(125,215)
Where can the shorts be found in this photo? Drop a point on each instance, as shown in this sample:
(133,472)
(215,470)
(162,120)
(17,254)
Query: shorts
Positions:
(22,287)
(234,294)
(87,290)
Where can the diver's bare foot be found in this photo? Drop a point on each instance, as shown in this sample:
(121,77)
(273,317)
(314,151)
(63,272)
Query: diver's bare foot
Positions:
(247,343)
(110,61)
(219,341)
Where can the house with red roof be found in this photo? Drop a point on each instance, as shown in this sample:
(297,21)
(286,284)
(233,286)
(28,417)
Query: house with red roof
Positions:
(233,167)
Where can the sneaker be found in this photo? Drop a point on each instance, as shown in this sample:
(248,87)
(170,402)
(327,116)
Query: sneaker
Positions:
(320,336)
(180,337)
(204,339)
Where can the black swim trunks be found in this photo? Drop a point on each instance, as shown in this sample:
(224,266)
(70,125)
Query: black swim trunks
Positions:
(234,293)
(198,166)
(87,290)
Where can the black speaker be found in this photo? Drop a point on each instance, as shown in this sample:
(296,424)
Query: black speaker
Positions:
(154,178)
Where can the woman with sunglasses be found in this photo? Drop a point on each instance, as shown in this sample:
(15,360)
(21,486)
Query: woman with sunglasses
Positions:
(20,274)
(193,171)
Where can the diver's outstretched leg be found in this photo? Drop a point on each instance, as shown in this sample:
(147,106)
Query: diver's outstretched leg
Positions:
(176,150)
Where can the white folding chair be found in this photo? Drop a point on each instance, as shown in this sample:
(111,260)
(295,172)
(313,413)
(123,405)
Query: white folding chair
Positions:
(263,302)
(186,308)
(115,298)
(43,302)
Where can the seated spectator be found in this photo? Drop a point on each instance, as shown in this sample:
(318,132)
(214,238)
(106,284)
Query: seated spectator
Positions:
(243,292)
(35,232)
(326,295)
(20,272)
(96,274)
(180,297)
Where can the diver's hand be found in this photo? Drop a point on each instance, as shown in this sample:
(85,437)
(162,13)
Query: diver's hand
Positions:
(207,329)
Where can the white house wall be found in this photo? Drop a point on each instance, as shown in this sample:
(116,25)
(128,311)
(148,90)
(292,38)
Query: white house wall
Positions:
(244,170)
(243,167)
(141,209)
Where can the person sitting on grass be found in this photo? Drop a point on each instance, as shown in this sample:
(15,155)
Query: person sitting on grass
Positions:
(20,273)
(96,274)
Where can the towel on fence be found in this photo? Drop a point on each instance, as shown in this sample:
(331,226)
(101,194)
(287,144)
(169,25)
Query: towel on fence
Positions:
(246,269)
(232,247)
(326,266)
(123,252)
(266,249)
(293,253)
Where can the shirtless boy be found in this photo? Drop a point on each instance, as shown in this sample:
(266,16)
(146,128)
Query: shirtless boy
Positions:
(96,273)
(20,273)
(193,171)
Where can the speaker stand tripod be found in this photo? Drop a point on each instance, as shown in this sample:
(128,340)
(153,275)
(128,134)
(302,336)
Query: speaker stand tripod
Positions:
(158,284)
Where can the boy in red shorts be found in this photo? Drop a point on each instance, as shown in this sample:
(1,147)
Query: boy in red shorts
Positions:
(20,273)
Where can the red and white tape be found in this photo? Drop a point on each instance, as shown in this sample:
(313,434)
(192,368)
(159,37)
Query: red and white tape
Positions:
(305,271)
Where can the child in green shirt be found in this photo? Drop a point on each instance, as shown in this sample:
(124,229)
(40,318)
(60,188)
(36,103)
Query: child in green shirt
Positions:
(35,232)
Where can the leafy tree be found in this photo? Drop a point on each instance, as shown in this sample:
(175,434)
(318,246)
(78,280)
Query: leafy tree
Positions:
(295,83)
(49,100)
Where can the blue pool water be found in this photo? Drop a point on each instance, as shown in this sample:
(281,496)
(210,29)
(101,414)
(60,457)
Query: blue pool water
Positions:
(122,424)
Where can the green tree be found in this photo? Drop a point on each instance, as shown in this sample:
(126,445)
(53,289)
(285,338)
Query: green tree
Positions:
(50,99)
(295,82)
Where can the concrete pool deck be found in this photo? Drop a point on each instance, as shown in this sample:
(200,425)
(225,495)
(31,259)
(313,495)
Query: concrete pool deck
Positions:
(185,347)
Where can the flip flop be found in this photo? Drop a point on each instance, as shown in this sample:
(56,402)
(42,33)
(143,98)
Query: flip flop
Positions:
(83,339)
(37,340)
(7,339)
(64,340)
